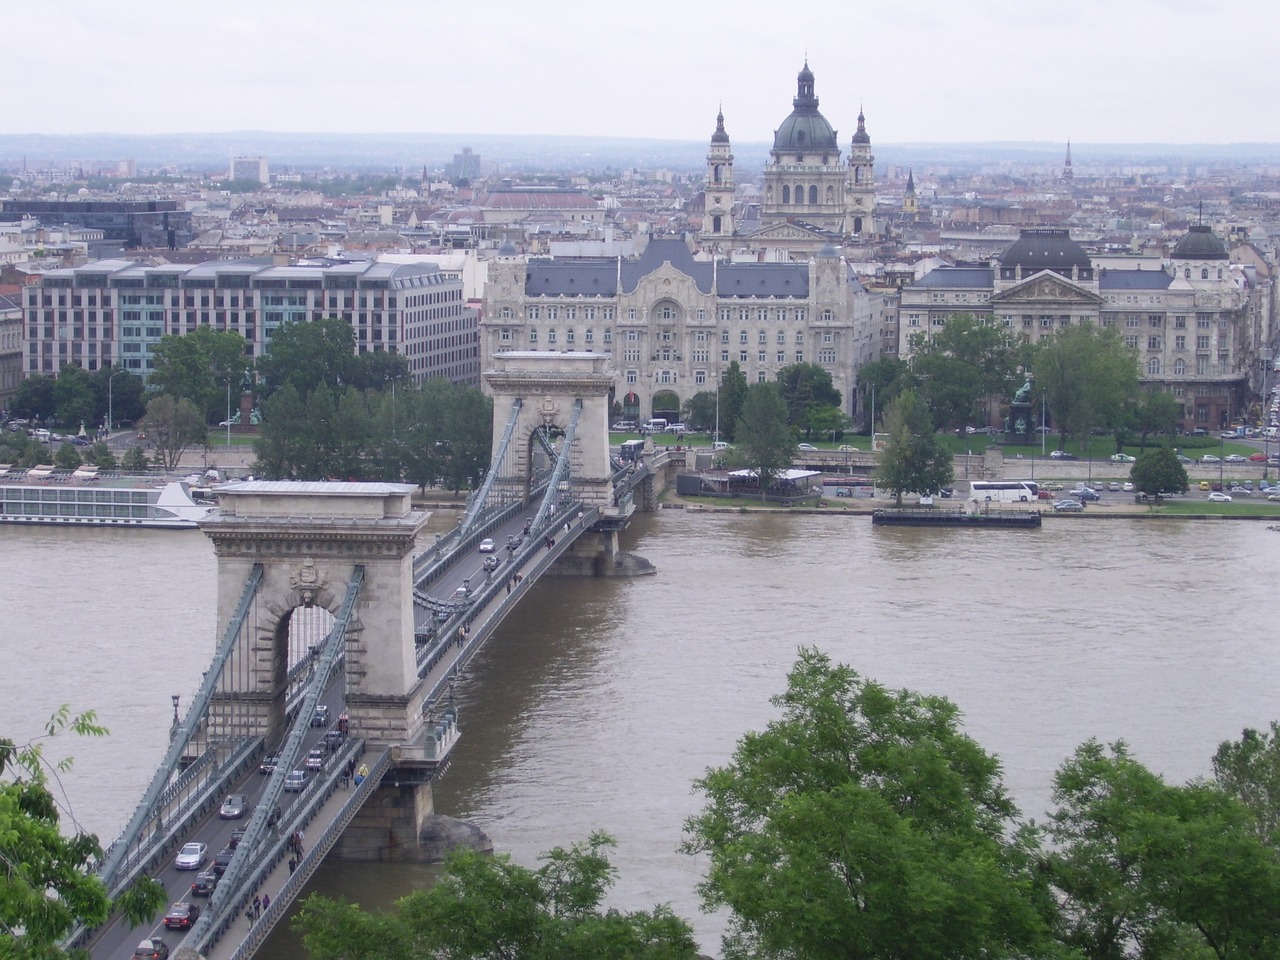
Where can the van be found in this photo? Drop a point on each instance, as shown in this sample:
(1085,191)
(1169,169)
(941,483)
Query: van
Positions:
(656,425)
(1271,433)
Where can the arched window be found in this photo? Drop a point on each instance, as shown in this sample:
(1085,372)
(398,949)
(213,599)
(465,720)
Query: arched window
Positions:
(1219,273)
(1204,273)
(715,224)
(1153,367)
(799,194)
(786,194)
(857,174)
(813,195)
(1179,367)
(831,194)
(717,169)
(857,224)
(1186,272)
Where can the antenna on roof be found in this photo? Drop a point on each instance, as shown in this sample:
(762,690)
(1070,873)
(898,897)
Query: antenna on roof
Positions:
(1200,214)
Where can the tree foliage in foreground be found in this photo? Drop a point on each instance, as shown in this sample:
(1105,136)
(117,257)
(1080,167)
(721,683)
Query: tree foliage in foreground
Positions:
(1157,472)
(46,883)
(765,442)
(1088,377)
(863,823)
(173,426)
(489,908)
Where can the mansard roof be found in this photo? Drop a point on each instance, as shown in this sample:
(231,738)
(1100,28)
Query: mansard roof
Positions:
(1134,280)
(600,278)
(963,278)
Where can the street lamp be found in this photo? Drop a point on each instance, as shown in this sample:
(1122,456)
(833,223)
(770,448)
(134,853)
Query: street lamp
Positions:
(110,398)
(175,698)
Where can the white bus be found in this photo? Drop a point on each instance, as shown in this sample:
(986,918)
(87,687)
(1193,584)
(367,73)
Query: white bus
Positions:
(1004,491)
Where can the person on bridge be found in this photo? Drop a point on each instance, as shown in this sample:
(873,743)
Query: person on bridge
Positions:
(266,902)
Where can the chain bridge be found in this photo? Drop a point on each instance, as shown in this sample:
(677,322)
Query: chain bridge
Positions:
(329,702)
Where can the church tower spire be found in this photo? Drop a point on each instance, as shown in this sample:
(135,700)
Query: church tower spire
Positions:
(717,223)
(910,202)
(1066,166)
(860,189)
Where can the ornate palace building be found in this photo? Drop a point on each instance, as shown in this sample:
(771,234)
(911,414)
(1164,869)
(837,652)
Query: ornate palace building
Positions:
(1189,322)
(674,324)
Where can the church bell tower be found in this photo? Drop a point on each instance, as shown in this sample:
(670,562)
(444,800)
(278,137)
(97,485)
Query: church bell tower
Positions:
(860,190)
(718,221)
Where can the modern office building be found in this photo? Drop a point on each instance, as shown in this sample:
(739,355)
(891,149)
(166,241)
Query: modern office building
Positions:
(146,224)
(674,324)
(114,312)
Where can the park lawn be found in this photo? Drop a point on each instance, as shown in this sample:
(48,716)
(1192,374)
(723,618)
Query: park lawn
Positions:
(1240,507)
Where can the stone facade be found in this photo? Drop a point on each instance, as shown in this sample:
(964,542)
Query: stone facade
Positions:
(673,324)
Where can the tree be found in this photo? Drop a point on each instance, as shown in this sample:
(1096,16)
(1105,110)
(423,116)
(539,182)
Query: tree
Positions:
(883,379)
(119,393)
(765,442)
(308,354)
(1157,472)
(173,426)
(1153,412)
(1144,868)
(806,387)
(489,907)
(1088,376)
(34,399)
(968,360)
(912,461)
(47,883)
(134,461)
(378,369)
(733,393)
(1249,770)
(863,823)
(67,457)
(700,411)
(73,397)
(201,366)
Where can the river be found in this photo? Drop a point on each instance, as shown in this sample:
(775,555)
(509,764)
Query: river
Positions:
(600,701)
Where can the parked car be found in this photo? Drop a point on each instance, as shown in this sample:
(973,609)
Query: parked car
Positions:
(1274,497)
(191,856)
(204,884)
(1238,491)
(1114,486)
(1123,458)
(847,448)
(1084,494)
(624,426)
(234,807)
(677,428)
(1181,459)
(1068,506)
(295,781)
(153,948)
(806,448)
(181,916)
(486,545)
(1217,496)
(1127,486)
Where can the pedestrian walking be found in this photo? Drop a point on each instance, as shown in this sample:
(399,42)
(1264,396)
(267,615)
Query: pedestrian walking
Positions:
(257,906)
(293,865)
(248,915)
(266,902)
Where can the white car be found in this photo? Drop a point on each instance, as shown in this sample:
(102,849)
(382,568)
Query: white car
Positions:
(1122,458)
(806,447)
(486,545)
(1127,487)
(1217,496)
(191,856)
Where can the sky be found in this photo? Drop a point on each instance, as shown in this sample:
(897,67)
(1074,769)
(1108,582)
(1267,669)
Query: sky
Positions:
(1091,71)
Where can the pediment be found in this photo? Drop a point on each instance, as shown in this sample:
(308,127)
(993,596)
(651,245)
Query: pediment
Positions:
(788,231)
(1046,287)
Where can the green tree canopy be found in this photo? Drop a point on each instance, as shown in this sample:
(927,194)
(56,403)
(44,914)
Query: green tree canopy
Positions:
(308,354)
(202,366)
(34,398)
(1157,471)
(864,823)
(379,369)
(913,460)
(765,442)
(47,883)
(73,397)
(733,393)
(1249,770)
(1155,411)
(969,359)
(1088,377)
(489,908)
(807,387)
(173,426)
(700,411)
(884,379)
(118,393)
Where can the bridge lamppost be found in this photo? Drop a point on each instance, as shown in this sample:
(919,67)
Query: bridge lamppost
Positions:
(111,380)
(175,697)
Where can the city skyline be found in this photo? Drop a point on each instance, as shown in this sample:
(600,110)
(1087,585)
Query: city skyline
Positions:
(1150,71)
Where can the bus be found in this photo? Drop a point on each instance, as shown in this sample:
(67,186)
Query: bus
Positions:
(629,450)
(1004,491)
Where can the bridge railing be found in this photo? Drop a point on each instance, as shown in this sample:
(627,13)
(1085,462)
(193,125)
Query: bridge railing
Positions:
(320,846)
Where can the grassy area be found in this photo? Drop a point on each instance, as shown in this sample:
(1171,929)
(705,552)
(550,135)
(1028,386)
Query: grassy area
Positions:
(1240,507)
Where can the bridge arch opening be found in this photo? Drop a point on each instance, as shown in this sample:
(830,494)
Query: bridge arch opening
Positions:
(666,404)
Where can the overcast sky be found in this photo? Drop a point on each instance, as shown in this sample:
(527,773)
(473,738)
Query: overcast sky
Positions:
(1092,71)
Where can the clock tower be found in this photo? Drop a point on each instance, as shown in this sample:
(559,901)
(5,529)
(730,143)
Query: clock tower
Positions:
(717,223)
(860,189)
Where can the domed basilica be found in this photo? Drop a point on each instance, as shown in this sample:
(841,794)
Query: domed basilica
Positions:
(810,196)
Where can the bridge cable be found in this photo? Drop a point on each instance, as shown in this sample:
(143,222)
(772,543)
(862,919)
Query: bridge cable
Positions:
(478,501)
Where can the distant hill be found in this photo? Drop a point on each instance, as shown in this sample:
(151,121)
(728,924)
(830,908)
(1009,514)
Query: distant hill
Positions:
(409,152)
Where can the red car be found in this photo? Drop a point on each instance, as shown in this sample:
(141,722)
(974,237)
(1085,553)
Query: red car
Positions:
(181,916)
(1258,457)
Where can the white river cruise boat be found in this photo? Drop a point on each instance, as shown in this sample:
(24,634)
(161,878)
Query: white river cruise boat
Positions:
(81,497)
